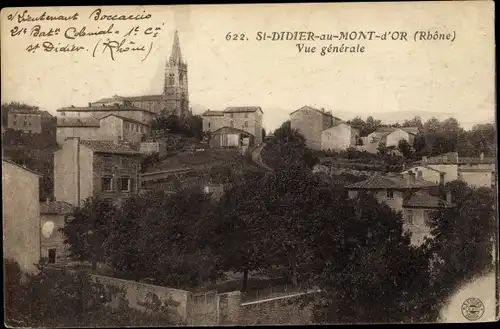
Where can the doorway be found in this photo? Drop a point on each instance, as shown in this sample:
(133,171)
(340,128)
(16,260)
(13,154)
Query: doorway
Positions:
(52,255)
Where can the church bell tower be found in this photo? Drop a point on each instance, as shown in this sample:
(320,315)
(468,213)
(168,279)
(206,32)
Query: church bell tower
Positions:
(175,89)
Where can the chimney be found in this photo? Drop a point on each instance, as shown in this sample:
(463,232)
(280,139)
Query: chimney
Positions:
(481,156)
(448,196)
(323,109)
(90,104)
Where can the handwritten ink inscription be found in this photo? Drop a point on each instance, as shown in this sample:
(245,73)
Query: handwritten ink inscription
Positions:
(100,33)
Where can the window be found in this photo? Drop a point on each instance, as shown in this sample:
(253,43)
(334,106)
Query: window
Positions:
(246,115)
(390,194)
(231,124)
(231,115)
(171,79)
(409,217)
(125,184)
(246,124)
(209,125)
(181,77)
(107,184)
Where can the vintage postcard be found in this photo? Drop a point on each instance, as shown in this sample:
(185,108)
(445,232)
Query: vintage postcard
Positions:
(249,164)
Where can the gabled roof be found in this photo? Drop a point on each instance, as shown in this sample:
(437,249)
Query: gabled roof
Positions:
(110,147)
(77,122)
(55,207)
(339,123)
(411,130)
(379,182)
(22,167)
(124,119)
(242,109)
(426,167)
(232,129)
(422,199)
(384,131)
(213,113)
(309,108)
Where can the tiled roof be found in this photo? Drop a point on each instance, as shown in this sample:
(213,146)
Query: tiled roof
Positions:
(232,129)
(378,181)
(130,98)
(109,147)
(102,108)
(77,122)
(124,119)
(426,167)
(411,130)
(421,199)
(309,108)
(55,207)
(213,113)
(242,109)
(21,167)
(476,160)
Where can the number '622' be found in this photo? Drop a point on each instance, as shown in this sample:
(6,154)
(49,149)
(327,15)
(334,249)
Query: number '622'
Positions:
(236,37)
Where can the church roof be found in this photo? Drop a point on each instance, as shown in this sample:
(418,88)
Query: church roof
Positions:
(130,98)
(103,108)
(176,56)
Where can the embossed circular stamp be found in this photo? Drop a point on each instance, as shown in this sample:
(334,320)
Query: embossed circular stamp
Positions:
(472,309)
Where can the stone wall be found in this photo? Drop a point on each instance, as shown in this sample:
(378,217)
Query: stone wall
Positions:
(147,297)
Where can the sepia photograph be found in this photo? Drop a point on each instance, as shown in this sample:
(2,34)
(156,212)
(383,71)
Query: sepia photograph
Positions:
(249,164)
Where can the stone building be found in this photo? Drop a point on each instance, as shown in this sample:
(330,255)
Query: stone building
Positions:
(111,127)
(98,112)
(21,215)
(340,136)
(29,120)
(175,96)
(85,168)
(53,215)
(245,118)
(475,171)
(311,122)
(407,194)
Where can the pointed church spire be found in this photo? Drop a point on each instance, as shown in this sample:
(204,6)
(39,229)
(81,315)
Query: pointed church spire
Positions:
(175,56)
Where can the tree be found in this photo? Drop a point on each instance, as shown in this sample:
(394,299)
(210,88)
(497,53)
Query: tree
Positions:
(463,237)
(233,230)
(66,298)
(288,147)
(366,267)
(87,230)
(405,148)
(153,236)
(382,150)
(415,122)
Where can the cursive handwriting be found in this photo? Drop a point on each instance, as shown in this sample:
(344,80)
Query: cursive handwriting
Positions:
(48,46)
(73,32)
(25,17)
(124,46)
(97,15)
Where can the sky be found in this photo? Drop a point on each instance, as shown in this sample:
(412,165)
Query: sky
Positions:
(391,79)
